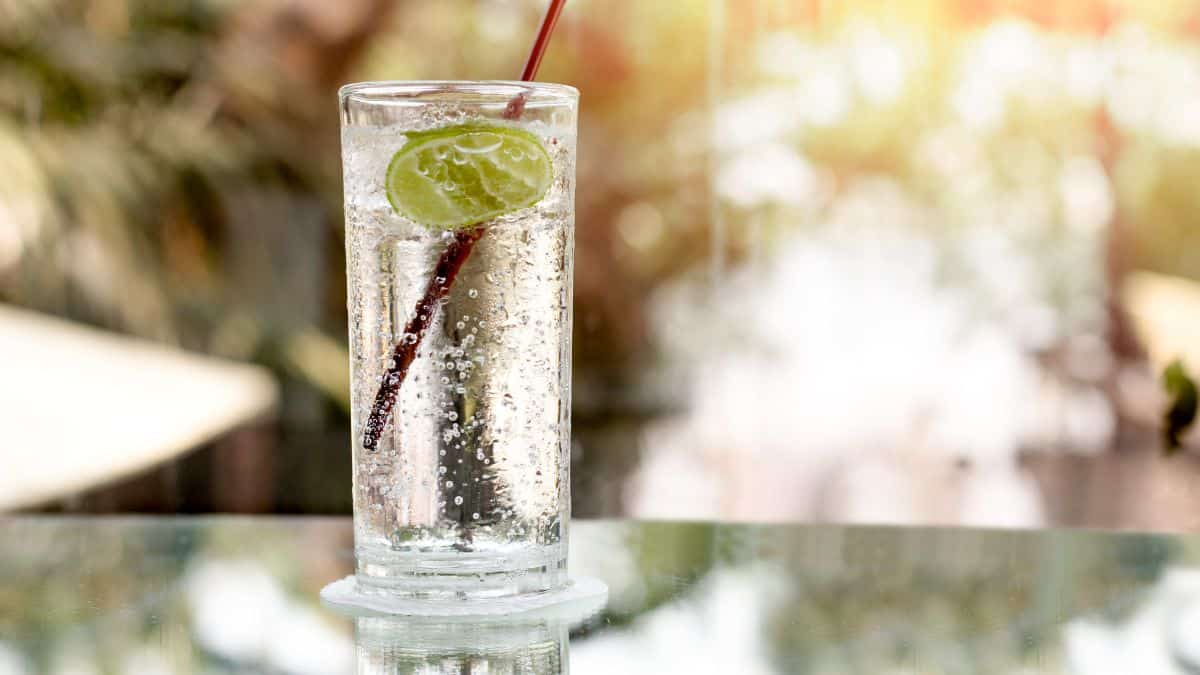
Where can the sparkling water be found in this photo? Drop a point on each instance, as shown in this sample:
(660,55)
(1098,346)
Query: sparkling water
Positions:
(467,491)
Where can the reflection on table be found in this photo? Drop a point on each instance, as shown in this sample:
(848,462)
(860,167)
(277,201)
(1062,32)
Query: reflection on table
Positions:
(218,595)
(392,645)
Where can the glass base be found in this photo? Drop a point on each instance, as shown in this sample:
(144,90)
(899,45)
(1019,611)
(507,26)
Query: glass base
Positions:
(461,575)
(578,599)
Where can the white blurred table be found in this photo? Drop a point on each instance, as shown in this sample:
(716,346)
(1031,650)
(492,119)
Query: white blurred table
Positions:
(80,408)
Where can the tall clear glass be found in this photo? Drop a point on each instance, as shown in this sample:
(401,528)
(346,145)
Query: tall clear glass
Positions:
(467,491)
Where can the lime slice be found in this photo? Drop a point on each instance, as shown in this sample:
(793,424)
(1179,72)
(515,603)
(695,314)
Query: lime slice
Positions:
(453,177)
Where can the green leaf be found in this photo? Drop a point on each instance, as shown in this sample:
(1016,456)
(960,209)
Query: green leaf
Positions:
(1181,412)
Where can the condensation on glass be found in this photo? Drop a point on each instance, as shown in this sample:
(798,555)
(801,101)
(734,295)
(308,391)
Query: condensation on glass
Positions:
(467,492)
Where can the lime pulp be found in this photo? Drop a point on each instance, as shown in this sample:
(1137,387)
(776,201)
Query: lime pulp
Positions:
(458,176)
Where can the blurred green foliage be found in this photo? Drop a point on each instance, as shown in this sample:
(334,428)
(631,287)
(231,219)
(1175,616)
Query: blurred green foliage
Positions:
(149,149)
(1181,412)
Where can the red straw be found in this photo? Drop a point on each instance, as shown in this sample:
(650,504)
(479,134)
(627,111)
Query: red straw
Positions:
(447,268)
(543,39)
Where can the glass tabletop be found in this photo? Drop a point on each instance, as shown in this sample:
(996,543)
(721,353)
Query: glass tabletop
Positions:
(240,595)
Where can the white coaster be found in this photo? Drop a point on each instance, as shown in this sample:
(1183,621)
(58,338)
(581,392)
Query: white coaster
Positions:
(579,598)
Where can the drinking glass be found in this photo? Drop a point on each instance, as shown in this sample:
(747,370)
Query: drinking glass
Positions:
(462,489)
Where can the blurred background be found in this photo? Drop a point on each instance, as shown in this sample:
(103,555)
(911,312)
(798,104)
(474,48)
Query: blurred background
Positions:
(917,262)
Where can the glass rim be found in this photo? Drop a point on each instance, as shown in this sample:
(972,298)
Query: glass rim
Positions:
(420,91)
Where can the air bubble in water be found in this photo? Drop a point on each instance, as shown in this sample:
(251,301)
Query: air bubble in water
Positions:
(458,500)
(482,149)
(394,254)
